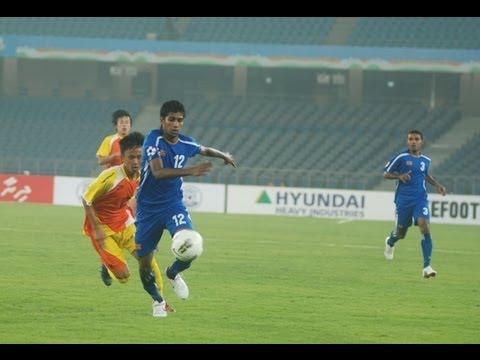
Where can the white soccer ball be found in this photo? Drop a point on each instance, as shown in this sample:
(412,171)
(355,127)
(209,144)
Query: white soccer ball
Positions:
(187,245)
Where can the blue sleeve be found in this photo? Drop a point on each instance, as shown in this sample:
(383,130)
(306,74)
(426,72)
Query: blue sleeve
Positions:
(150,146)
(393,165)
(196,150)
(193,146)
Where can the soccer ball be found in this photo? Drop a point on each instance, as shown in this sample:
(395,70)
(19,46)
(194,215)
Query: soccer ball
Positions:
(187,245)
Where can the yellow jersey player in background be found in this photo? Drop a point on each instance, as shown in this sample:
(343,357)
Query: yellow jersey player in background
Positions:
(108,222)
(108,153)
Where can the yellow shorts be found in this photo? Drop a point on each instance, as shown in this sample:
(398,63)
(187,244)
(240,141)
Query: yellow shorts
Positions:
(112,252)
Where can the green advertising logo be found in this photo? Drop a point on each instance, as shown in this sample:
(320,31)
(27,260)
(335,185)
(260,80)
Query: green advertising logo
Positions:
(264,198)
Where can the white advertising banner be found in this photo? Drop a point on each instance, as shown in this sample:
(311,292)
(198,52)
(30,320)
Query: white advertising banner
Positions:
(69,190)
(343,204)
(197,197)
(455,209)
(270,200)
(204,197)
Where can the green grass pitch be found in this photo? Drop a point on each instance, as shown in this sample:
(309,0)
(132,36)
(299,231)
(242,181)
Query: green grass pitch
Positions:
(261,279)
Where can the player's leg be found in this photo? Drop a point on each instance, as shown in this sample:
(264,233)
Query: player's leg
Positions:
(147,237)
(148,276)
(159,282)
(122,239)
(105,274)
(156,271)
(149,229)
(426,241)
(160,306)
(422,219)
(179,219)
(403,220)
(158,275)
(113,259)
(128,243)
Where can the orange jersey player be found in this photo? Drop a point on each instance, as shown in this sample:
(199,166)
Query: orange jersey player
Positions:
(108,222)
(108,153)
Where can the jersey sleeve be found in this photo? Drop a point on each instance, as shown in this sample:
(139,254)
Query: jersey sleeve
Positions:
(393,165)
(101,185)
(194,147)
(104,149)
(151,147)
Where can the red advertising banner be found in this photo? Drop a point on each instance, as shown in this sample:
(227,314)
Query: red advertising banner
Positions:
(26,188)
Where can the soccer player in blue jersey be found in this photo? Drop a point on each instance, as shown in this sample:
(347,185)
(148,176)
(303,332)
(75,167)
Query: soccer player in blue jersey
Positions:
(160,198)
(410,168)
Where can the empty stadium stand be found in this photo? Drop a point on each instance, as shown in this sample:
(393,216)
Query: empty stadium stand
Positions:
(88,27)
(418,32)
(55,136)
(413,32)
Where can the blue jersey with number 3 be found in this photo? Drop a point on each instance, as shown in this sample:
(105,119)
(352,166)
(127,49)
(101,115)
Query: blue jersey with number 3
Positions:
(413,190)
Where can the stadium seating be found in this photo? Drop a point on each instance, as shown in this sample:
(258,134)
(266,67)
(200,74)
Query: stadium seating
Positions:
(273,30)
(55,136)
(465,161)
(88,27)
(293,136)
(299,135)
(419,32)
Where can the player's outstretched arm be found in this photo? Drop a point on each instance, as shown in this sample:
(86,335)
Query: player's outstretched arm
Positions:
(227,157)
(160,172)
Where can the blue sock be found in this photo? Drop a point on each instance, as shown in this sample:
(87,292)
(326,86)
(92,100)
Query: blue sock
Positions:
(150,286)
(427,247)
(176,267)
(392,239)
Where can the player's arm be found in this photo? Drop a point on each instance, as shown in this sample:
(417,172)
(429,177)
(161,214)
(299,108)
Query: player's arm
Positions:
(440,188)
(103,153)
(132,203)
(227,157)
(107,159)
(394,176)
(160,172)
(92,217)
(100,186)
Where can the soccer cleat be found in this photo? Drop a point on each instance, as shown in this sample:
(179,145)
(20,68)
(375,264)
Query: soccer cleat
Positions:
(179,285)
(159,309)
(428,272)
(388,250)
(106,278)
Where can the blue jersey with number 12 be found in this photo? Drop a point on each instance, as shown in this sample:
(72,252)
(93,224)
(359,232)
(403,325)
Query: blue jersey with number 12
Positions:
(159,194)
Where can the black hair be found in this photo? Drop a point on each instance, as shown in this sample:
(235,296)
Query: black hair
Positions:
(131,141)
(418,132)
(171,106)
(118,114)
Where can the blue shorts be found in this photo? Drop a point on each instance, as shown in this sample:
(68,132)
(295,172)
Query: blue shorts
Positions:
(407,214)
(150,227)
